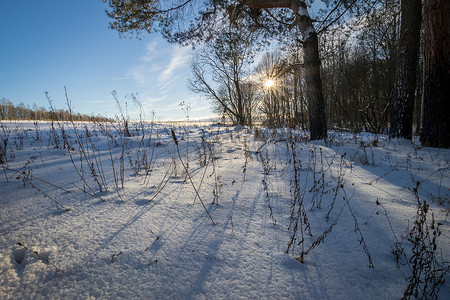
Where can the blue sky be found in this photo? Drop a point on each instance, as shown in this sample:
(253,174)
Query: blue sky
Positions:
(48,44)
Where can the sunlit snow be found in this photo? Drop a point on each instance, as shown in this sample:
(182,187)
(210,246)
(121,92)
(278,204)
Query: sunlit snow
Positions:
(82,237)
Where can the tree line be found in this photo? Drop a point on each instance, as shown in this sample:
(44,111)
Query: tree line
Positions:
(9,111)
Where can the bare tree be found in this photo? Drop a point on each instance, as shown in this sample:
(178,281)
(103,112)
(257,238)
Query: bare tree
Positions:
(218,72)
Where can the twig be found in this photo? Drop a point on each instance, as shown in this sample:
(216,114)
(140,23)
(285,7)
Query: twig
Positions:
(34,177)
(115,255)
(82,178)
(40,257)
(189,176)
(163,183)
(58,205)
(361,241)
(157,238)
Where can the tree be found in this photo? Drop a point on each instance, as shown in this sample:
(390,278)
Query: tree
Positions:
(189,21)
(359,59)
(406,72)
(435,131)
(6,108)
(224,60)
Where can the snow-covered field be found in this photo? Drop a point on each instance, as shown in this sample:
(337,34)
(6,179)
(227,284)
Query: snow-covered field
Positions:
(114,217)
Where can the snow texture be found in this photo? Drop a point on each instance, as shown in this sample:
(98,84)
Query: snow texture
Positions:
(152,239)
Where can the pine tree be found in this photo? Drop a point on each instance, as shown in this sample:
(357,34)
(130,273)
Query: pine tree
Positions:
(435,131)
(406,71)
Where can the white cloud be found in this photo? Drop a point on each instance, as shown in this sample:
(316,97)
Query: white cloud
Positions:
(142,74)
(179,59)
(201,109)
(160,72)
(158,69)
(150,103)
(150,51)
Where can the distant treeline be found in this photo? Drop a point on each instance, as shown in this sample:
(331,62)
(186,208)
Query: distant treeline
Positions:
(9,111)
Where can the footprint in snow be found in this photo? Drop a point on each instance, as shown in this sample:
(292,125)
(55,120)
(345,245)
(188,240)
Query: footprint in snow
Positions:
(19,255)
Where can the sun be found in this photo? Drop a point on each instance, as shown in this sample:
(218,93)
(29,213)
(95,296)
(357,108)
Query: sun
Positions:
(269,83)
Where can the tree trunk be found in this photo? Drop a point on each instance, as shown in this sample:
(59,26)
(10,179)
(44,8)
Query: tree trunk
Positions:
(405,78)
(314,93)
(311,61)
(435,131)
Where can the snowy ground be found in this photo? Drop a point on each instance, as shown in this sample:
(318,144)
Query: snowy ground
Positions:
(153,239)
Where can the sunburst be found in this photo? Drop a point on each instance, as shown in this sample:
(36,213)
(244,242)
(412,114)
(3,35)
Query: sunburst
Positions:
(269,83)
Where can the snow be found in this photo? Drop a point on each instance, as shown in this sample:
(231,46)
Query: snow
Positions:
(153,239)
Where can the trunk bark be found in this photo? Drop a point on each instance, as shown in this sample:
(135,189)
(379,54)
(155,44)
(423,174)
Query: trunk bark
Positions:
(405,78)
(314,93)
(435,131)
(311,61)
